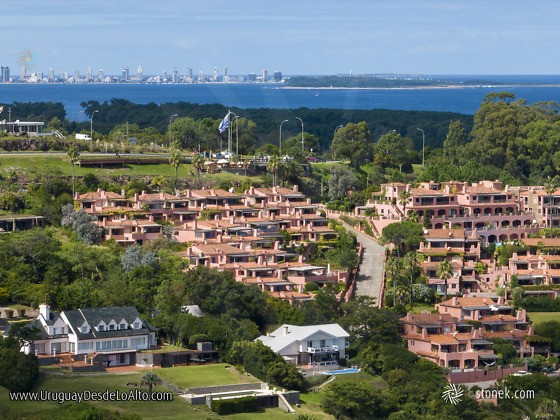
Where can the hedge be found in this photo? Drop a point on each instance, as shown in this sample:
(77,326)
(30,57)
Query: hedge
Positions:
(539,304)
(235,405)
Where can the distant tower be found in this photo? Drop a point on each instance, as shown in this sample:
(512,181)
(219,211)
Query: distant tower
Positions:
(215,76)
(277,76)
(5,74)
(76,75)
(125,74)
(189,73)
(139,75)
(164,78)
(252,77)
(22,72)
(89,74)
(63,76)
(200,77)
(175,76)
(100,75)
(265,75)
(51,75)
(226,75)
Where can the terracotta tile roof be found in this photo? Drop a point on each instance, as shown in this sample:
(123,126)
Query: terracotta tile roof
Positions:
(502,334)
(451,250)
(218,193)
(496,318)
(428,354)
(157,197)
(480,189)
(291,295)
(426,192)
(428,319)
(445,234)
(97,196)
(545,241)
(442,338)
(224,249)
(469,301)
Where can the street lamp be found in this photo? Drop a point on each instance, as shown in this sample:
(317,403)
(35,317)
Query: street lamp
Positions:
(423,138)
(302,141)
(280,149)
(171,119)
(91,125)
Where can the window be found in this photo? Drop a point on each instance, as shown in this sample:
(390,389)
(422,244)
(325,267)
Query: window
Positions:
(84,329)
(136,325)
(111,327)
(322,343)
(122,326)
(310,344)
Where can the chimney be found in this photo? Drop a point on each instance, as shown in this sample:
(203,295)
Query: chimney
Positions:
(44,310)
(409,316)
(441,318)
(455,301)
(424,333)
(77,196)
(296,188)
(285,330)
(143,193)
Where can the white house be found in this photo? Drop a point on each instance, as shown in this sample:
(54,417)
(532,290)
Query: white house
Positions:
(115,332)
(317,345)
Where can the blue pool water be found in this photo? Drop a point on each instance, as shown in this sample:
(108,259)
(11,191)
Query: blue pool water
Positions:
(339,372)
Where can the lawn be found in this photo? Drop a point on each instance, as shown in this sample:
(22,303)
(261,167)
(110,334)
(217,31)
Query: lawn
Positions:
(419,307)
(28,163)
(540,317)
(206,375)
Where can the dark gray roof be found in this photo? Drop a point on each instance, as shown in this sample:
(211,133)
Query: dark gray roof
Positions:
(94,316)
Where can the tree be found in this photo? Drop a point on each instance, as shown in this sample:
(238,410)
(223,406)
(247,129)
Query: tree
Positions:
(393,150)
(18,371)
(549,188)
(444,273)
(150,379)
(175,160)
(134,257)
(341,181)
(410,264)
(353,400)
(404,235)
(73,155)
(291,171)
(82,223)
(456,139)
(273,165)
(392,268)
(350,142)
(404,195)
(198,163)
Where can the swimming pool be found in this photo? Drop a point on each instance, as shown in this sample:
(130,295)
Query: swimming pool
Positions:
(340,372)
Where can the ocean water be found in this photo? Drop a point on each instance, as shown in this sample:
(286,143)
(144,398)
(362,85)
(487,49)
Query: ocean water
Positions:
(463,100)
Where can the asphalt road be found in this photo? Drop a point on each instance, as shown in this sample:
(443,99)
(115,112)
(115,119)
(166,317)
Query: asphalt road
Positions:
(370,273)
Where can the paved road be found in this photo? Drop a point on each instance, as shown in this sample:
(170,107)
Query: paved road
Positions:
(370,273)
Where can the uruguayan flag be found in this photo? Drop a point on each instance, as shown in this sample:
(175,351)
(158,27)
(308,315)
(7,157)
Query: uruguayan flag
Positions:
(224,124)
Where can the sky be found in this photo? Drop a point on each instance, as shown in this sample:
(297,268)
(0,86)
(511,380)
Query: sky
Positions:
(433,37)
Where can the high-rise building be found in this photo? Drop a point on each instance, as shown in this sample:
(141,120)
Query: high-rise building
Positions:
(125,75)
(100,75)
(200,77)
(189,73)
(89,74)
(215,75)
(39,76)
(51,75)
(22,72)
(164,78)
(63,76)
(277,76)
(252,77)
(265,75)
(139,75)
(76,75)
(226,75)
(175,76)
(5,74)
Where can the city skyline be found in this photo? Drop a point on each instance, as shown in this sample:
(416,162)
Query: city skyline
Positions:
(433,37)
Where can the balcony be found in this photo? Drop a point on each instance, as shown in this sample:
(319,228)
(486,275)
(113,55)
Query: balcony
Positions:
(328,349)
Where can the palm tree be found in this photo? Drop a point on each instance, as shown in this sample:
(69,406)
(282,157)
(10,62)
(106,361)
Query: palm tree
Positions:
(73,155)
(291,171)
(158,182)
(404,195)
(198,163)
(410,263)
(175,160)
(445,273)
(150,379)
(273,165)
(392,271)
(549,188)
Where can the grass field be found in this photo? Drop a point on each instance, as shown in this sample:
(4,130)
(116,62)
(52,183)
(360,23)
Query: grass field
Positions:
(206,375)
(419,307)
(540,317)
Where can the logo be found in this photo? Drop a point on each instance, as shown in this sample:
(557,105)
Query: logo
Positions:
(26,60)
(452,393)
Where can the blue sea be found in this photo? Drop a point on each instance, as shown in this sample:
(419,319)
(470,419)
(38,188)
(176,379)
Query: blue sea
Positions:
(463,100)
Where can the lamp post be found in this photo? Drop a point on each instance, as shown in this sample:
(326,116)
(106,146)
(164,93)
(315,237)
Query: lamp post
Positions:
(280,148)
(302,141)
(91,125)
(171,119)
(423,139)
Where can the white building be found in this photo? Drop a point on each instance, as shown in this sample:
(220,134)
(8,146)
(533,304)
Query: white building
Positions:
(115,332)
(316,345)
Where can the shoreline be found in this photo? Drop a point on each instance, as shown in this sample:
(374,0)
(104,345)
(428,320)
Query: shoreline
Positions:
(420,87)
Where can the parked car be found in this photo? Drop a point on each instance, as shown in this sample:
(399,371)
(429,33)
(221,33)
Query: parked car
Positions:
(520,373)
(548,369)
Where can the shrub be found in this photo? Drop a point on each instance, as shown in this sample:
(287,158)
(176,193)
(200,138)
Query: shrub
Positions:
(311,287)
(235,405)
